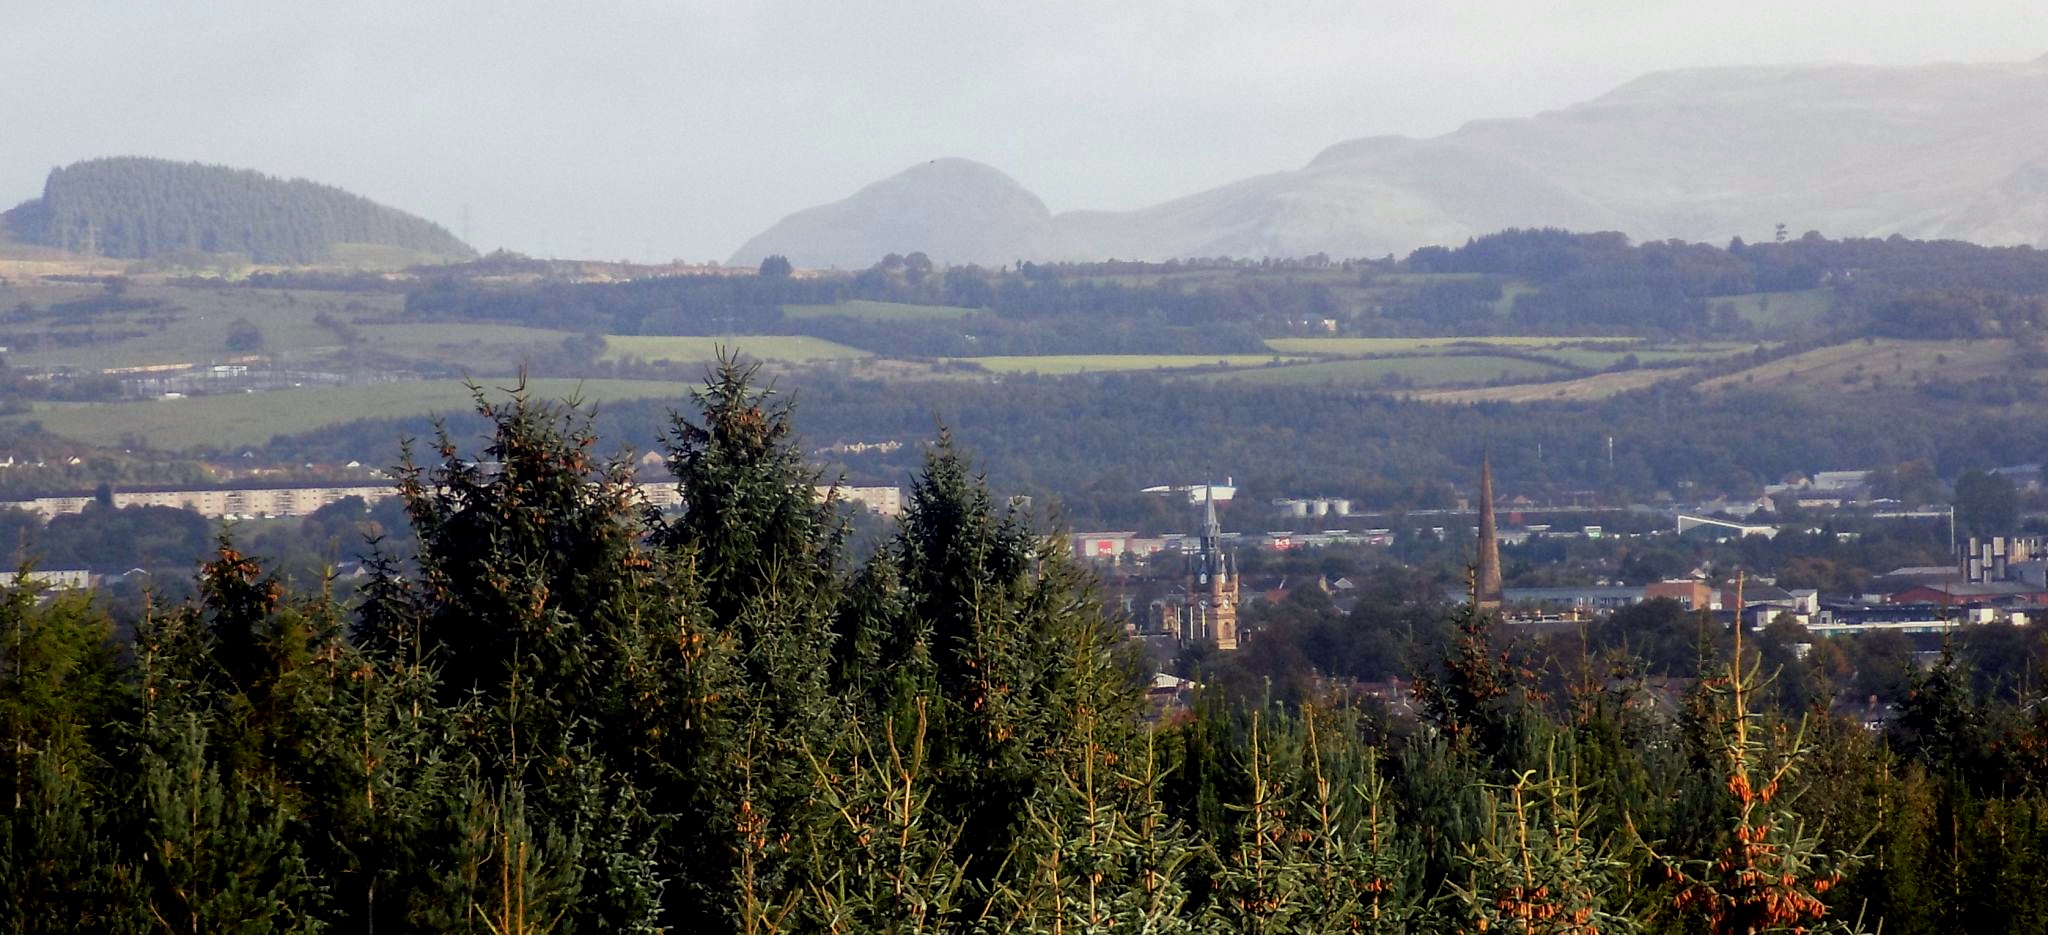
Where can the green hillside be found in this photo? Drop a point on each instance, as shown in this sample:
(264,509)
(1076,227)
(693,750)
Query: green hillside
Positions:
(136,208)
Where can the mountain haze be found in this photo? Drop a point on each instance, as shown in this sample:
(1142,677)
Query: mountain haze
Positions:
(976,211)
(137,208)
(1934,151)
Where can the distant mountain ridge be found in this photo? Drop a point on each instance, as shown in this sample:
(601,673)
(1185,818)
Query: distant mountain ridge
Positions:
(973,208)
(138,208)
(1933,151)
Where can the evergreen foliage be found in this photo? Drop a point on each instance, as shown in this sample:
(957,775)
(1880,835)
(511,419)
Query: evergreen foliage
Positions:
(567,714)
(137,208)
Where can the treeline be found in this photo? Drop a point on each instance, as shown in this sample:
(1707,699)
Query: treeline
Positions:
(670,305)
(991,336)
(1936,314)
(1563,283)
(567,715)
(1549,255)
(1100,439)
(140,208)
(169,541)
(48,464)
(1035,314)
(1602,283)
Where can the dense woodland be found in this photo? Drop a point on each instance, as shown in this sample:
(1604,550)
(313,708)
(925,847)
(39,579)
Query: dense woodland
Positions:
(566,714)
(138,208)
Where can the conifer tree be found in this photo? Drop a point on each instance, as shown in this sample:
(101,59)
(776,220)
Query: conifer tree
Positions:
(1478,696)
(884,856)
(524,587)
(505,873)
(389,763)
(1317,847)
(880,656)
(547,628)
(216,854)
(1099,852)
(762,546)
(1017,648)
(353,745)
(1367,869)
(1765,871)
(764,543)
(761,553)
(56,862)
(1440,791)
(1536,870)
(1940,722)
(57,689)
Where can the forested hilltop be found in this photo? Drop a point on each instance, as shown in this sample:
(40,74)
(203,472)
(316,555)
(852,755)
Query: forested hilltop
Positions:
(567,714)
(138,208)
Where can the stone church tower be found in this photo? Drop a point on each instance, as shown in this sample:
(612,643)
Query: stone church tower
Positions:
(1210,612)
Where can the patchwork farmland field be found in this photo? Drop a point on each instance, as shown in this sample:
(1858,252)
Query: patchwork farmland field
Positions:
(1425,370)
(485,344)
(1597,386)
(1060,364)
(190,327)
(1366,347)
(234,420)
(1875,364)
(684,348)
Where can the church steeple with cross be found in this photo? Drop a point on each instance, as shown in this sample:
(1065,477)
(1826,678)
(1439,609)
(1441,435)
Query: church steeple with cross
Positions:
(1212,591)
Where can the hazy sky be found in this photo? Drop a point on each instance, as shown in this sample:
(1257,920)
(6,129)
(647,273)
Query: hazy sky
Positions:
(658,130)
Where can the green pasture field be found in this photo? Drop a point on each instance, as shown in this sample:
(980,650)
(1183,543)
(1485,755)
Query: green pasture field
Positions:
(1437,370)
(459,343)
(1369,347)
(1063,364)
(683,348)
(239,420)
(1875,364)
(1583,389)
(867,310)
(197,330)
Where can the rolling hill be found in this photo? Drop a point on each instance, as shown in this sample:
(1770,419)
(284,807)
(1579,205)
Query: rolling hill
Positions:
(136,208)
(1935,151)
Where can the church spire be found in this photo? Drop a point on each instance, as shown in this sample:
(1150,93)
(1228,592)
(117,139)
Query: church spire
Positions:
(1212,531)
(1487,590)
(1212,594)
